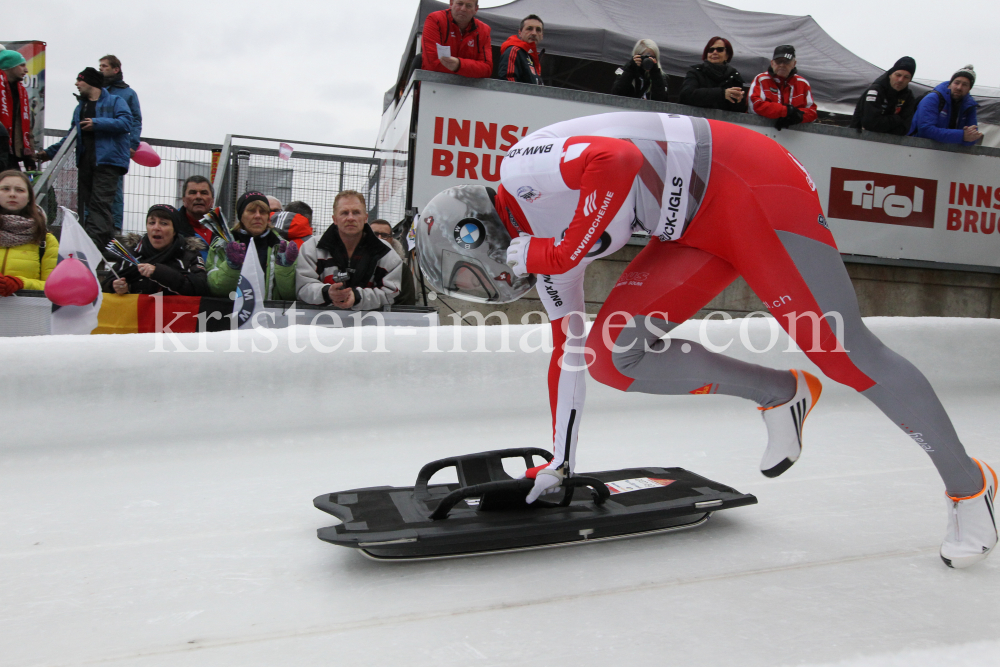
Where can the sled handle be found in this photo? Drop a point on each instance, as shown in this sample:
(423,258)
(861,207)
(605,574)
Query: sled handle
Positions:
(599,492)
(490,462)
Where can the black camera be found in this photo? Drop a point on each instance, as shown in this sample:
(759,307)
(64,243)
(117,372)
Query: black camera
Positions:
(648,63)
(341,277)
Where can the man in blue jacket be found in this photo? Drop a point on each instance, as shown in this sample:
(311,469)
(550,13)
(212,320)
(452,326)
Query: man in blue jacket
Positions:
(111,68)
(102,153)
(948,113)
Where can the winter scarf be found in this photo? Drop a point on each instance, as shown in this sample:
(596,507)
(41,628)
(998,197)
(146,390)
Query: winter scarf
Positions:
(716,72)
(147,254)
(16,230)
(10,116)
(115,81)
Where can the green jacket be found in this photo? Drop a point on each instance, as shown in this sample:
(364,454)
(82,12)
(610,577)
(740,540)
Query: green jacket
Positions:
(279,281)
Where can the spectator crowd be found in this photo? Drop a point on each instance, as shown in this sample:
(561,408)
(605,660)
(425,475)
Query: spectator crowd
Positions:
(356,263)
(454,41)
(353,265)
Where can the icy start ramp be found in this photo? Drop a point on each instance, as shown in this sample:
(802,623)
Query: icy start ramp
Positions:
(156,508)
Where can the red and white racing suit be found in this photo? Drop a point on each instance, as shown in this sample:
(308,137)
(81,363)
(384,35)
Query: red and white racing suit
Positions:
(573,187)
(719,201)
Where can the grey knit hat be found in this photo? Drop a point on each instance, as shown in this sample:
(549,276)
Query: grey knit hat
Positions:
(969,72)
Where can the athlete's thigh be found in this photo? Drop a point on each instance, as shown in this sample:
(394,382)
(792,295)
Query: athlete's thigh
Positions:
(777,240)
(672,280)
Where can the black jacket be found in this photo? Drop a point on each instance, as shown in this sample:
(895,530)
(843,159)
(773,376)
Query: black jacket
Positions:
(705,86)
(179,268)
(881,108)
(516,64)
(637,82)
(407,288)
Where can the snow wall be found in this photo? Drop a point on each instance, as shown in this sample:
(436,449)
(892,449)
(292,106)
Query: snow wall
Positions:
(90,389)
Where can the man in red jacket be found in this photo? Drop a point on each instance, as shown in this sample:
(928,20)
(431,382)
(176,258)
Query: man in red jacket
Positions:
(454,41)
(15,116)
(519,59)
(781,93)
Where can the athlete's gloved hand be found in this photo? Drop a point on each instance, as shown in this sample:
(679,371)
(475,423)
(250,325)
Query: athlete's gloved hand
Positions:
(517,255)
(547,480)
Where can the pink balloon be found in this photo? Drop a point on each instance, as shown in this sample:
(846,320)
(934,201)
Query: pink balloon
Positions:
(146,156)
(71,284)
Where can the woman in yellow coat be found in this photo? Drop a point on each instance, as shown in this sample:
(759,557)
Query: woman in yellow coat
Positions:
(28,253)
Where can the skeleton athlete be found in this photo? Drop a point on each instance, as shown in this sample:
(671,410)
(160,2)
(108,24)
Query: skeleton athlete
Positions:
(719,201)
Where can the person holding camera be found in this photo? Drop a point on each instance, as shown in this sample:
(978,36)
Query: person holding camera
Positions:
(714,84)
(276,255)
(349,267)
(642,77)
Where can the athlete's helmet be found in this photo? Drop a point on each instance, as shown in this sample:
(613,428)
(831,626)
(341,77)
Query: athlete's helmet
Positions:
(462,247)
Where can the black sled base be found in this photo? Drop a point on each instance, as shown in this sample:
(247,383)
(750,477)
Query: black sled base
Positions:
(486,511)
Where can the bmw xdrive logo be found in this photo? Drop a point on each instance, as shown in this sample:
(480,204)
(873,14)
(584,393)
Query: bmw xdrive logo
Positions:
(470,233)
(244,298)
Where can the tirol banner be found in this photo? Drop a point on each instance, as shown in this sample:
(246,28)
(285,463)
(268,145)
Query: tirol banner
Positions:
(881,199)
(34,55)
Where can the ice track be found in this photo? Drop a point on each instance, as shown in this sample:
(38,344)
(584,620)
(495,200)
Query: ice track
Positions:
(155,509)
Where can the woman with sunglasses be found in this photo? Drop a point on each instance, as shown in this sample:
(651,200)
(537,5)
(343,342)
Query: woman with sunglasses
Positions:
(714,84)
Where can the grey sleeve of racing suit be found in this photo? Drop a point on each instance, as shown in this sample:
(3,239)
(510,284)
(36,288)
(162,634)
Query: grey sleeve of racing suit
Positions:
(308,286)
(562,297)
(372,298)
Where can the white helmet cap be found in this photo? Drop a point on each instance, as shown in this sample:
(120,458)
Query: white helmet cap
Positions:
(462,247)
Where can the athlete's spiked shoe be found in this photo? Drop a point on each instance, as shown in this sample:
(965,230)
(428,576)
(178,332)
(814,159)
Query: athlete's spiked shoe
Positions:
(784,425)
(972,528)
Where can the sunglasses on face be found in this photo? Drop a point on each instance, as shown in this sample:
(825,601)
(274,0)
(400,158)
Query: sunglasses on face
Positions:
(382,235)
(716,49)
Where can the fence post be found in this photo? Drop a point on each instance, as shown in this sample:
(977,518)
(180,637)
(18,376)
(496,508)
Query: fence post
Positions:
(44,182)
(240,176)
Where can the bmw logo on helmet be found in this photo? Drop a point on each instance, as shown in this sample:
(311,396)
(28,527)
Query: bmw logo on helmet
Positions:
(462,247)
(470,233)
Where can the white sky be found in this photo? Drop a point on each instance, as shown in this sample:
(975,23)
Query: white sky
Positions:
(316,69)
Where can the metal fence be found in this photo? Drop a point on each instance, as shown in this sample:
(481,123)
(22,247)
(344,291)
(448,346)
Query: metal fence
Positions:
(144,186)
(312,177)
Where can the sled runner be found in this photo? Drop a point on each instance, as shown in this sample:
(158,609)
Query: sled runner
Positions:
(486,513)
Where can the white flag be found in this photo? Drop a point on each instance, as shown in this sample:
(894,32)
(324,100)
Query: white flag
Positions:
(249,298)
(74,241)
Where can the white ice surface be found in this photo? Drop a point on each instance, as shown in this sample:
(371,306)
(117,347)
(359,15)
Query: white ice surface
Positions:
(156,509)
